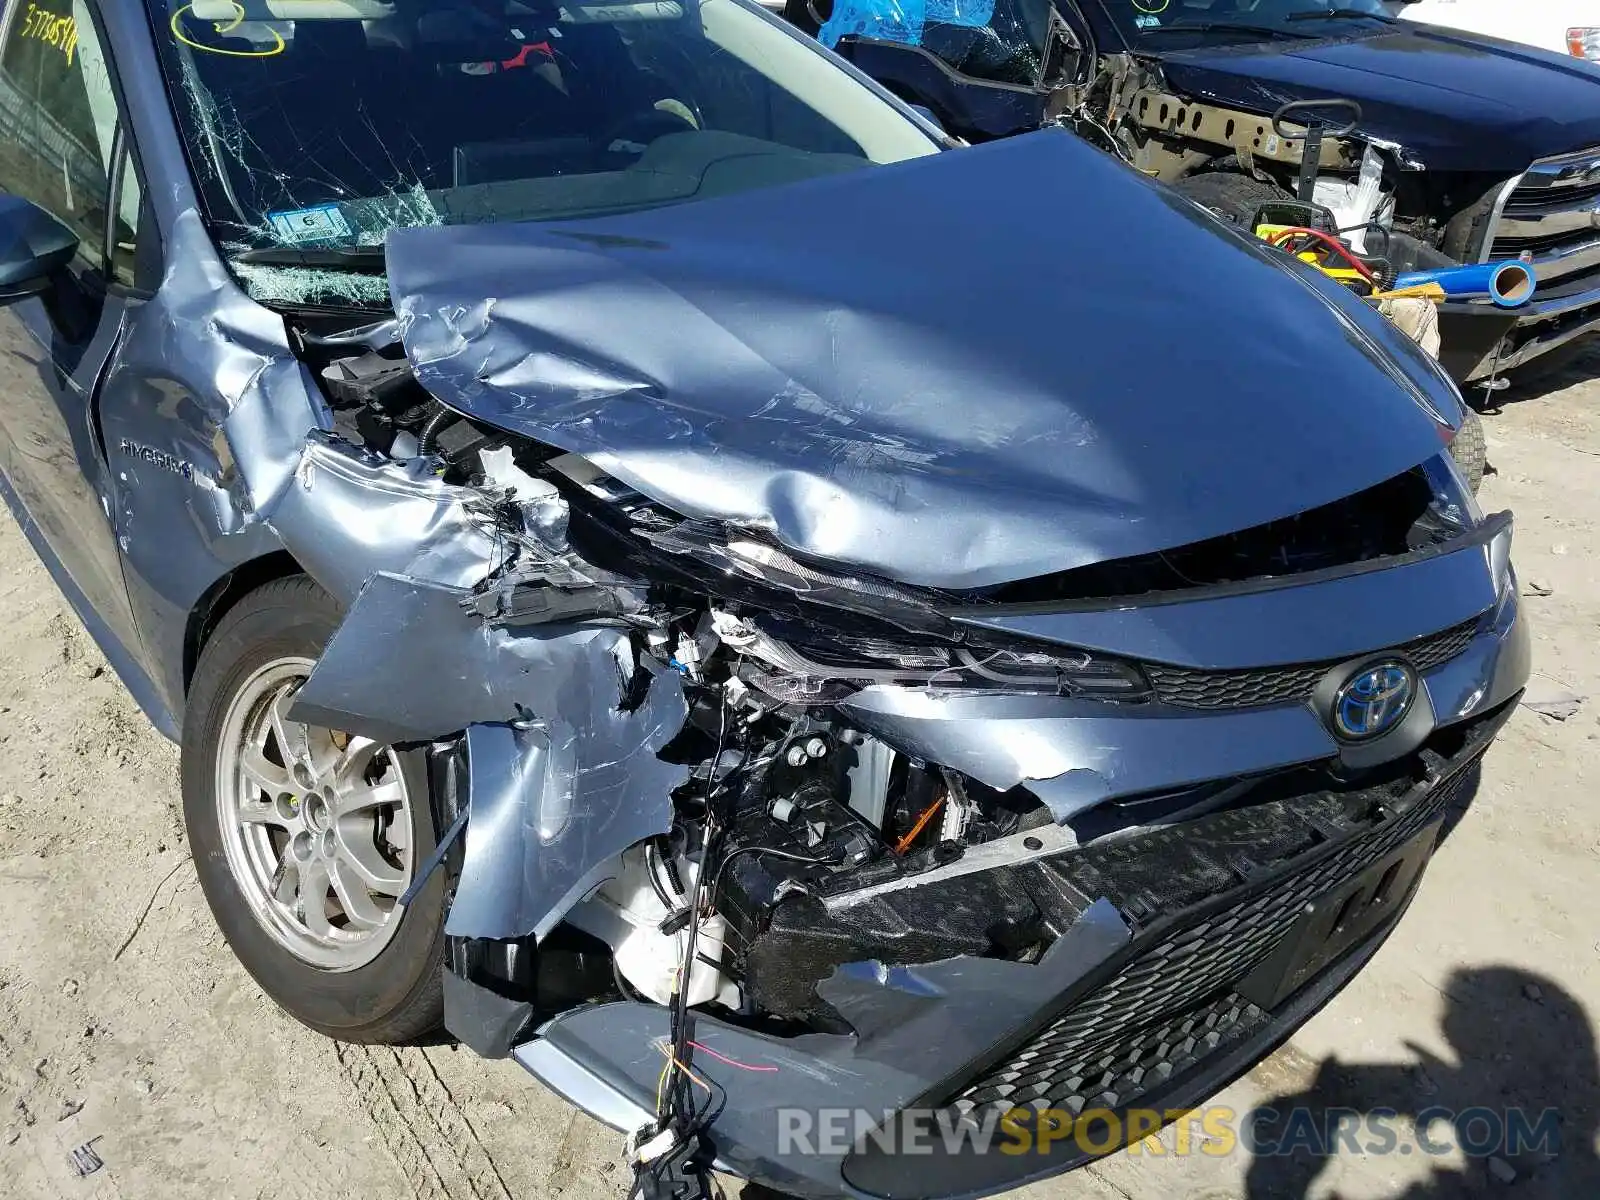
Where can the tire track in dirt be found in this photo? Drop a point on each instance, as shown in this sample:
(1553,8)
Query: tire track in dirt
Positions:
(434,1143)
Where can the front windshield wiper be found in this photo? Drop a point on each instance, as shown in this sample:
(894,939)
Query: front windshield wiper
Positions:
(1339,14)
(1227,27)
(350,258)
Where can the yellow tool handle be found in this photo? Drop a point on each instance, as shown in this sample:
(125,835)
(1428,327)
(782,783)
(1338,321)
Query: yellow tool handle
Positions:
(1417,291)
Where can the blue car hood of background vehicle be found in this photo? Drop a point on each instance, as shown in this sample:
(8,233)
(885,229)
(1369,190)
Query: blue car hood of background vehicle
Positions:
(1452,100)
(976,367)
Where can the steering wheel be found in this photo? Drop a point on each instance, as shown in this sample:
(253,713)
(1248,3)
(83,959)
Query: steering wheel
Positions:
(639,129)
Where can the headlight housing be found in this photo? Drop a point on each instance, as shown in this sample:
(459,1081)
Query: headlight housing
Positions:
(1584,42)
(806,661)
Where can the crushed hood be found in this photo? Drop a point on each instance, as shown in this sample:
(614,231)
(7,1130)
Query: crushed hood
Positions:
(972,368)
(1454,101)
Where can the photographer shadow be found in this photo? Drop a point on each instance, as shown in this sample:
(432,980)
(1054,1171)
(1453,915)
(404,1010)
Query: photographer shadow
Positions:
(1525,1072)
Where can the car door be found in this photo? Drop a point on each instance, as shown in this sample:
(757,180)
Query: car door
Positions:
(62,147)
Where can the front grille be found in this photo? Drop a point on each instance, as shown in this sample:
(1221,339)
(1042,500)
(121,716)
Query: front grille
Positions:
(1063,1075)
(1536,244)
(1188,688)
(1233,689)
(1533,203)
(1172,1005)
(1549,215)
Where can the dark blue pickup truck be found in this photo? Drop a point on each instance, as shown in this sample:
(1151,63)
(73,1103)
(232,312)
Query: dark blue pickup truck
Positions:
(1471,149)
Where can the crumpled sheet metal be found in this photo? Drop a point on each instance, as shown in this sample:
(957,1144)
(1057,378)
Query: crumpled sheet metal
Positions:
(915,1025)
(343,512)
(263,398)
(1320,621)
(1075,754)
(409,664)
(554,804)
(348,514)
(551,803)
(560,779)
(773,360)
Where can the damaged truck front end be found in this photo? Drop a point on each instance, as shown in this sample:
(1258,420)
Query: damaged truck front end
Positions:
(1442,148)
(831,673)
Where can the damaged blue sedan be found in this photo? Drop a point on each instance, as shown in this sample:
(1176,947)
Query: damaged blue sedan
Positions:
(659,568)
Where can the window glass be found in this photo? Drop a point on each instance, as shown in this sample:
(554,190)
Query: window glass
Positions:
(58,117)
(325,131)
(125,228)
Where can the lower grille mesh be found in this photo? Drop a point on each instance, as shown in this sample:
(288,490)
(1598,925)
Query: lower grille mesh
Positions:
(1171,1005)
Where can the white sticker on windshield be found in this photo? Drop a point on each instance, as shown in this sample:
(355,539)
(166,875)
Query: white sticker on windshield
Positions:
(324,223)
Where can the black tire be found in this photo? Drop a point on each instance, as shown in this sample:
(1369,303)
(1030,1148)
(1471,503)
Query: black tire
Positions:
(396,997)
(1234,198)
(1470,450)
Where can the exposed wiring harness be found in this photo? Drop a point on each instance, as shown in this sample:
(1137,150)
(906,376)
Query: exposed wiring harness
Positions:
(671,1156)
(1298,239)
(671,1159)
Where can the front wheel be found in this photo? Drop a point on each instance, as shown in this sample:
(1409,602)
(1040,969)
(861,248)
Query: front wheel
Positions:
(305,838)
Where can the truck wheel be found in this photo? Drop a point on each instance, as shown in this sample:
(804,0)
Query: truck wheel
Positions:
(305,838)
(1232,197)
(1470,450)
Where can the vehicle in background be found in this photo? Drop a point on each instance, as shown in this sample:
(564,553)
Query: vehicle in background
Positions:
(1563,26)
(1457,148)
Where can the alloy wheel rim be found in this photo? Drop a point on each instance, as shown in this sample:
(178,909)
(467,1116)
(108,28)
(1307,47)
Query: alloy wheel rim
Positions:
(316,825)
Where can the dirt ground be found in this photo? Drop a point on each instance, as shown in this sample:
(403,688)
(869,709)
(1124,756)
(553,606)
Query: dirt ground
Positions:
(126,1023)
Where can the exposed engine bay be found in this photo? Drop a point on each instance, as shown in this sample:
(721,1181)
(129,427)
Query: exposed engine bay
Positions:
(1406,214)
(797,834)
(859,732)
(788,802)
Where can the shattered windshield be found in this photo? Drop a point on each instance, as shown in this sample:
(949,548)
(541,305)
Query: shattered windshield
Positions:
(1164,22)
(315,126)
(1001,41)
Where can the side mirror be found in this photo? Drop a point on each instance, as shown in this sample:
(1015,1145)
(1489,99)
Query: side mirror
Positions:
(928,115)
(33,247)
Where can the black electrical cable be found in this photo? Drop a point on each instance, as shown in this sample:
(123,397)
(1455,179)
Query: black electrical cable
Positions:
(430,431)
(651,855)
(678,1099)
(681,1110)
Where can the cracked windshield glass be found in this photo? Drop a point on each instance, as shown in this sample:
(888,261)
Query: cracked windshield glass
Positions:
(315,126)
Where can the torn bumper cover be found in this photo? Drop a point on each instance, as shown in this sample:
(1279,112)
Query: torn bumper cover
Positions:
(1206,948)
